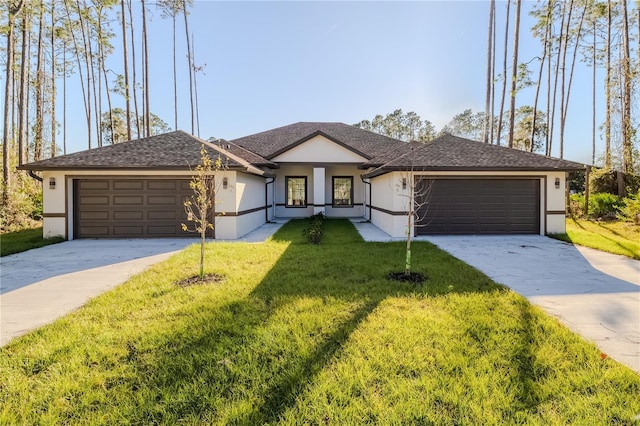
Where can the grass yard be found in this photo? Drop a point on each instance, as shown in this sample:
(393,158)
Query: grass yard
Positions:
(306,334)
(613,237)
(16,242)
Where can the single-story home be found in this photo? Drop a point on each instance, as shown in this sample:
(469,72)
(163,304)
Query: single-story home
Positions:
(136,189)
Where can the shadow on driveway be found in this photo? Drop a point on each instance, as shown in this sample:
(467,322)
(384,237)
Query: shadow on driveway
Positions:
(29,267)
(594,293)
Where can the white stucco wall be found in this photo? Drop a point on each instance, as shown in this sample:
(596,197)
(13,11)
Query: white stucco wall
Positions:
(319,150)
(388,195)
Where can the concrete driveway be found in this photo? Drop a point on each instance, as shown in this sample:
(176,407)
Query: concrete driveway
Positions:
(40,285)
(595,294)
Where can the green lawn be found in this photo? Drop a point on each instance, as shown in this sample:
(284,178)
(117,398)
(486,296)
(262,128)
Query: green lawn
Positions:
(306,334)
(613,237)
(16,242)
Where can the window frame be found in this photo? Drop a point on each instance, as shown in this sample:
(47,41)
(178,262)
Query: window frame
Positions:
(333,192)
(286,192)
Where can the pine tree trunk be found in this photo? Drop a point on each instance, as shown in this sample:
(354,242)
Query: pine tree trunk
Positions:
(133,72)
(22,95)
(125,56)
(175,75)
(39,125)
(54,128)
(514,74)
(195,85)
(145,51)
(504,73)
(6,175)
(487,106)
(627,131)
(607,125)
(190,60)
(593,99)
(539,82)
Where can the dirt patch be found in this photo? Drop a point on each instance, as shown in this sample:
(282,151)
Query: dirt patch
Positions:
(195,280)
(411,277)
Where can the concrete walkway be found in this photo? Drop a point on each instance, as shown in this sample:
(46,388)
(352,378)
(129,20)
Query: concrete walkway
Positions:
(595,294)
(43,284)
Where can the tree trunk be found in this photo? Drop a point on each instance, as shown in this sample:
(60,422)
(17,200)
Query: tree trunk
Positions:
(607,125)
(487,106)
(175,74)
(195,85)
(145,49)
(563,68)
(22,95)
(134,73)
(6,175)
(627,131)
(542,61)
(190,60)
(504,73)
(39,125)
(85,95)
(54,128)
(561,44)
(593,99)
(565,108)
(125,57)
(514,74)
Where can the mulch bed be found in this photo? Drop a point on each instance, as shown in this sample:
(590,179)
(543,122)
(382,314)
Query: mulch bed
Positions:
(195,280)
(412,277)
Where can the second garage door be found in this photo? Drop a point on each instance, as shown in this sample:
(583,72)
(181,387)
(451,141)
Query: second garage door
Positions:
(478,206)
(130,208)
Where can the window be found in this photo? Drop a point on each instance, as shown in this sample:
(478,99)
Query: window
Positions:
(296,191)
(343,191)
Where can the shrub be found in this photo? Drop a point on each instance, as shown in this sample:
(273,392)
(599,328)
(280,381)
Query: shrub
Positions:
(603,205)
(316,229)
(24,205)
(630,211)
(576,205)
(606,180)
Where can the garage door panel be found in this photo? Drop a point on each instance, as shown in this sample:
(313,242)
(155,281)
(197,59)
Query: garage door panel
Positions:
(128,215)
(130,208)
(94,184)
(132,185)
(162,200)
(128,200)
(167,185)
(480,206)
(127,231)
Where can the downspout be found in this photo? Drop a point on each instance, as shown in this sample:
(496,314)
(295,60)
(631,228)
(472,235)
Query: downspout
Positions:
(370,203)
(35,176)
(266,199)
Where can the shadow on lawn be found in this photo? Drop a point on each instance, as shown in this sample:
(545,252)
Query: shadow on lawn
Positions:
(227,349)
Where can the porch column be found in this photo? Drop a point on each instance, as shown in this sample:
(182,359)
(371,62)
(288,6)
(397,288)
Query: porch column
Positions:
(318,190)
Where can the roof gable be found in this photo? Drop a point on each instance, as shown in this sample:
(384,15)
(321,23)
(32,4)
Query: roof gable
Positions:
(450,152)
(272,143)
(319,148)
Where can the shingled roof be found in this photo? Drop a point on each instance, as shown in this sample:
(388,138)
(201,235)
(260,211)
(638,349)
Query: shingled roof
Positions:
(176,150)
(450,152)
(271,143)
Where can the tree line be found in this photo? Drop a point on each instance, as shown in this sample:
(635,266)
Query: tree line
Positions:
(598,33)
(50,42)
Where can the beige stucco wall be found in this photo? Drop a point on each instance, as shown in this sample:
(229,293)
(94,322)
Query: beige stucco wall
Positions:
(319,150)
(58,202)
(388,195)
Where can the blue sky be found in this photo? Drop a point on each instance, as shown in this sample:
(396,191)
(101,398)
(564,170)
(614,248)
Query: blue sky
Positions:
(270,64)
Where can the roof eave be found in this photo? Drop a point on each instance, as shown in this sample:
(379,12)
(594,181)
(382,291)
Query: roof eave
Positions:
(383,170)
(313,135)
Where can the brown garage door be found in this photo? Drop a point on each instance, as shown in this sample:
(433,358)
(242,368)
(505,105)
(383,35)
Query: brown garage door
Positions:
(478,206)
(130,208)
